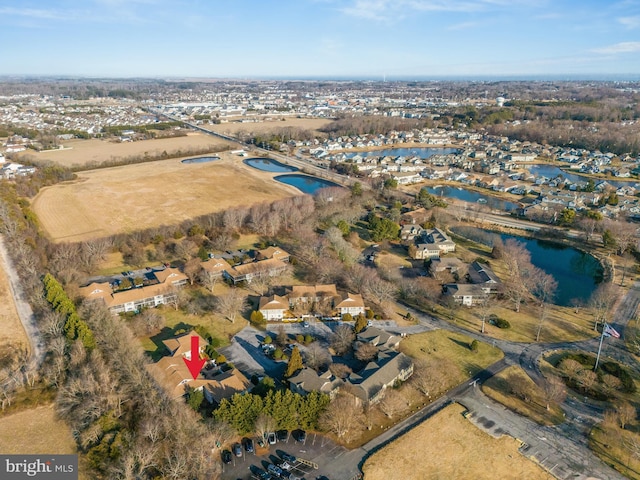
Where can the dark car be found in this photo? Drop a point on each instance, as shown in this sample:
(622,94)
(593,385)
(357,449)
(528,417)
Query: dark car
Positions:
(237,449)
(282,435)
(226,456)
(301,436)
(289,458)
(274,470)
(248,445)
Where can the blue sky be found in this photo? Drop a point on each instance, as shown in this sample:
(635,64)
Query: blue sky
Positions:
(320,38)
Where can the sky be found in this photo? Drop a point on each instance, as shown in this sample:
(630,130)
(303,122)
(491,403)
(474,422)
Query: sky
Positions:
(392,39)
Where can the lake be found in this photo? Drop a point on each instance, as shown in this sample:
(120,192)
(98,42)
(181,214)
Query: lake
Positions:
(578,274)
(423,152)
(305,183)
(551,171)
(269,165)
(200,159)
(470,196)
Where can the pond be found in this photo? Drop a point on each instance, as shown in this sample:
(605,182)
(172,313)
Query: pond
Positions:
(200,159)
(305,183)
(551,171)
(578,274)
(424,152)
(474,197)
(269,165)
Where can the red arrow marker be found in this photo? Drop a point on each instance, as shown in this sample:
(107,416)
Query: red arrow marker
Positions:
(195,364)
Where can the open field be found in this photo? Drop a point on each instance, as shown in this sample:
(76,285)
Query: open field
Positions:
(449,447)
(232,128)
(498,388)
(96,151)
(134,197)
(454,348)
(13,338)
(35,431)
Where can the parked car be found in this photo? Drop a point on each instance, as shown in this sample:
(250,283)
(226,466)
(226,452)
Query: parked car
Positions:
(305,324)
(282,435)
(271,438)
(226,456)
(284,465)
(261,442)
(237,449)
(301,436)
(274,469)
(248,445)
(289,458)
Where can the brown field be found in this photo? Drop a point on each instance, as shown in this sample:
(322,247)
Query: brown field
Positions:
(232,128)
(12,334)
(448,447)
(82,152)
(133,197)
(35,431)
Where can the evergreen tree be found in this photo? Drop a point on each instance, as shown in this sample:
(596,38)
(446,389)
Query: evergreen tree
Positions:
(361,323)
(295,363)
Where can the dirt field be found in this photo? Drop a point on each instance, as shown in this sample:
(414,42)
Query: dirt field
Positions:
(35,431)
(12,335)
(133,197)
(82,152)
(232,127)
(448,447)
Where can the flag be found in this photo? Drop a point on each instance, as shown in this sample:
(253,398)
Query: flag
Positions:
(610,332)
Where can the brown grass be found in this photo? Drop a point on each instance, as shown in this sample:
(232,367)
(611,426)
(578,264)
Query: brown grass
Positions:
(133,197)
(234,127)
(82,152)
(12,334)
(497,387)
(614,447)
(461,451)
(35,431)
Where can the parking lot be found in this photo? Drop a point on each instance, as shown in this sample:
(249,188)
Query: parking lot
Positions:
(316,449)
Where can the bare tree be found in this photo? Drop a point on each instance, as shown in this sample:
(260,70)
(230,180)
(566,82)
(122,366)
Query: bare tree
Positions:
(233,218)
(340,370)
(209,279)
(484,310)
(192,268)
(520,272)
(555,391)
(571,368)
(342,339)
(366,352)
(626,413)
(316,356)
(601,303)
(544,288)
(587,378)
(232,303)
(610,384)
(624,233)
(343,417)
(393,403)
(589,226)
(264,424)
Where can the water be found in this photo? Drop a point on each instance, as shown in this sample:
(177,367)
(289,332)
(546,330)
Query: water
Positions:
(551,171)
(305,183)
(470,196)
(200,159)
(423,152)
(578,274)
(269,165)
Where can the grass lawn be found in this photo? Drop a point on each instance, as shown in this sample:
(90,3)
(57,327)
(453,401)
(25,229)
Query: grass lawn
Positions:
(497,387)
(614,446)
(453,347)
(447,446)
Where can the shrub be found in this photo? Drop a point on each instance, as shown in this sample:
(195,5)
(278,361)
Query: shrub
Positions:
(257,318)
(268,340)
(369,314)
(278,354)
(220,359)
(499,322)
(347,317)
(300,338)
(308,339)
(473,346)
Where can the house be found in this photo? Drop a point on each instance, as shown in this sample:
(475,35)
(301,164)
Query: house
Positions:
(378,338)
(172,373)
(248,271)
(387,370)
(308,380)
(351,303)
(432,243)
(309,294)
(273,252)
(447,263)
(466,294)
(273,307)
(133,299)
(215,267)
(481,274)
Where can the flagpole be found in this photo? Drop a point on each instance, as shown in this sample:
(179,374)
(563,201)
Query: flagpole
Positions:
(604,326)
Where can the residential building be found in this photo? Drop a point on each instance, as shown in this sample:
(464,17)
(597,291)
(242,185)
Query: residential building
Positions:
(246,272)
(273,307)
(465,293)
(308,380)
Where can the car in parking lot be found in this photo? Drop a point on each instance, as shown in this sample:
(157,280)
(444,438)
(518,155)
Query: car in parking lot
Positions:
(284,465)
(288,457)
(226,456)
(248,445)
(282,435)
(300,436)
(274,469)
(271,438)
(237,449)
